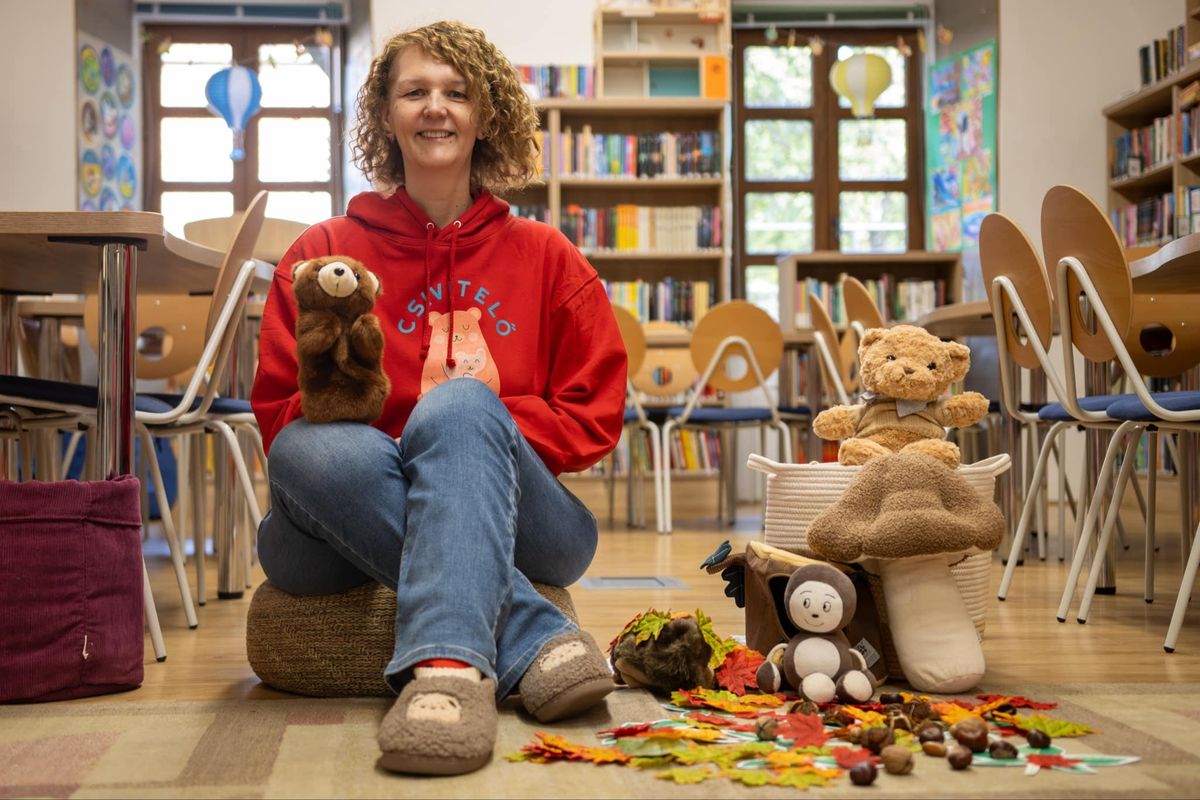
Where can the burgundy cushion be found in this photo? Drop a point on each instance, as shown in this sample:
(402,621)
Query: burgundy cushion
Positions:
(71,579)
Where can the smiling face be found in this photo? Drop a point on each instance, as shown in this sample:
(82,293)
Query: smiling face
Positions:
(431,117)
(816,606)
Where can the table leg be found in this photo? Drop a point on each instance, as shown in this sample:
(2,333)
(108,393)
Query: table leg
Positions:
(115,380)
(8,366)
(1096,382)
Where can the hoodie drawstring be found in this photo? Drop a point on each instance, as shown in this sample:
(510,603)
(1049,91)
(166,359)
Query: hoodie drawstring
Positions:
(426,331)
(450,362)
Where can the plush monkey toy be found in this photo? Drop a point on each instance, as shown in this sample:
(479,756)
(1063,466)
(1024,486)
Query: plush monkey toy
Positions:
(339,345)
(818,662)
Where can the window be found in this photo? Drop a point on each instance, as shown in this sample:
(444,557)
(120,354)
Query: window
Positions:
(291,145)
(808,174)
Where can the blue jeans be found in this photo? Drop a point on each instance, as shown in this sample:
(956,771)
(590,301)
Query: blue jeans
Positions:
(459,516)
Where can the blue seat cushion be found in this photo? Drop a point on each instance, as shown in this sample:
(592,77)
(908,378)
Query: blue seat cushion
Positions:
(36,390)
(1132,408)
(718,414)
(796,411)
(220,405)
(1055,412)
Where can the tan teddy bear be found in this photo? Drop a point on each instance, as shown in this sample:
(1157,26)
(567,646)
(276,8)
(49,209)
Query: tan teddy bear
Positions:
(904,371)
(339,345)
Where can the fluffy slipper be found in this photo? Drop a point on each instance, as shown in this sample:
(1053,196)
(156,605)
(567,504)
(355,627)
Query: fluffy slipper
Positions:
(568,677)
(441,724)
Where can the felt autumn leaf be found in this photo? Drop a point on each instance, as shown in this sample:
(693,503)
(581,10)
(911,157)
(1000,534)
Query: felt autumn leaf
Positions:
(737,673)
(868,718)
(1054,760)
(703,720)
(749,777)
(781,759)
(550,747)
(653,747)
(803,778)
(682,775)
(723,755)
(847,757)
(1017,701)
(651,762)
(803,729)
(720,647)
(952,712)
(747,705)
(1054,728)
(629,729)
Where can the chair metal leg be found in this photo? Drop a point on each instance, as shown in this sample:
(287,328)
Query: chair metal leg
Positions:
(656,464)
(240,464)
(196,470)
(1151,496)
(1081,545)
(151,613)
(1185,594)
(174,545)
(1114,512)
(665,459)
(1018,539)
(69,456)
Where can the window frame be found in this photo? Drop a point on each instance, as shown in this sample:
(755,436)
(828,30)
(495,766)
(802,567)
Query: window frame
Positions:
(245,40)
(826,184)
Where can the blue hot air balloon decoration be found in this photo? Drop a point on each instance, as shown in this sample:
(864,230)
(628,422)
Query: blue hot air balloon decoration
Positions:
(234,94)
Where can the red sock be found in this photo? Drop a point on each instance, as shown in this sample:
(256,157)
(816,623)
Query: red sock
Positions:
(444,663)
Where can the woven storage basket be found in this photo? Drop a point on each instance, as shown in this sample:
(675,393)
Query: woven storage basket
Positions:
(797,493)
(333,645)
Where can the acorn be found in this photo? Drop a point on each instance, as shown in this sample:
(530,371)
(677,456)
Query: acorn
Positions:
(935,749)
(863,773)
(959,757)
(897,759)
(766,727)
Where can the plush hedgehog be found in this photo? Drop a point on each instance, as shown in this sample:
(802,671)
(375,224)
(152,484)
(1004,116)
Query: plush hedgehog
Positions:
(339,345)
(665,652)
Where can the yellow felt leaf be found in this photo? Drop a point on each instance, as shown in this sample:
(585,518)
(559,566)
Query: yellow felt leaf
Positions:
(750,777)
(952,712)
(1055,728)
(681,775)
(695,734)
(867,718)
(788,758)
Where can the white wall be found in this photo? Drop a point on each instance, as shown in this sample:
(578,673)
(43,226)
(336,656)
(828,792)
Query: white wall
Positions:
(1061,62)
(527,31)
(38,136)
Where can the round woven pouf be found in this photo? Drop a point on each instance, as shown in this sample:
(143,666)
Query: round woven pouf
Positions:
(333,645)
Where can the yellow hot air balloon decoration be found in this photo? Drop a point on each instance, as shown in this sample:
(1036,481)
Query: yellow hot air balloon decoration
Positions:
(860,79)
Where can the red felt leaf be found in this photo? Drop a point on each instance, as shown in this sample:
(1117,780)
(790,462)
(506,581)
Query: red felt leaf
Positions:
(630,729)
(724,723)
(737,674)
(1018,701)
(1051,760)
(847,757)
(807,729)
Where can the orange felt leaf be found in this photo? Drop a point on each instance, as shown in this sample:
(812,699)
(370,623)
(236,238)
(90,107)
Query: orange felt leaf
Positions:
(806,729)
(737,674)
(868,718)
(952,712)
(847,757)
(551,747)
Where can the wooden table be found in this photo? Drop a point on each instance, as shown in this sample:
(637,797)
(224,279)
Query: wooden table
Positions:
(69,252)
(959,319)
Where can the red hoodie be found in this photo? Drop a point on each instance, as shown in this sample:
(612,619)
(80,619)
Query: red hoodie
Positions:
(535,320)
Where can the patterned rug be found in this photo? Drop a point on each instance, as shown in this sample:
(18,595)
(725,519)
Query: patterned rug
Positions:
(292,747)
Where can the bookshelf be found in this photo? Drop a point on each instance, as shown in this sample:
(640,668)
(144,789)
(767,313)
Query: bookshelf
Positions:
(1153,138)
(641,185)
(910,284)
(665,48)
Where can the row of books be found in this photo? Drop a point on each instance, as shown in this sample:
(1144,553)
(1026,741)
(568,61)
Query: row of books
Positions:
(662,229)
(541,213)
(1187,210)
(689,154)
(897,300)
(669,300)
(689,451)
(1141,149)
(553,80)
(1148,222)
(1163,56)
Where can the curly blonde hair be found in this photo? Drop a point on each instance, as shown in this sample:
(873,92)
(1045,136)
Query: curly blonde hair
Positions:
(507,157)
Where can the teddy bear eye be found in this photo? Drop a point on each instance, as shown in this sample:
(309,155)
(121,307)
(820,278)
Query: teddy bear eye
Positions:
(932,365)
(826,606)
(891,358)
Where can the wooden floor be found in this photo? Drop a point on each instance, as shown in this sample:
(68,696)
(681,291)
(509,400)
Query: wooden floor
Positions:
(1023,642)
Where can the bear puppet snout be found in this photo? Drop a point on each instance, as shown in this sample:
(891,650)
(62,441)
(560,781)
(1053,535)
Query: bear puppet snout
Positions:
(337,279)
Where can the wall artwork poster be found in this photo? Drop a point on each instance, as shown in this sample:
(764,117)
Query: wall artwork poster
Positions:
(960,156)
(109,143)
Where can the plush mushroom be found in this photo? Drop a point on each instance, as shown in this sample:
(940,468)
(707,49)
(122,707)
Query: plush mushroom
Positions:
(907,518)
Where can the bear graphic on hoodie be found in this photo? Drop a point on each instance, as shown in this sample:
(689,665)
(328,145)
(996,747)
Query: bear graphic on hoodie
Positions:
(468,351)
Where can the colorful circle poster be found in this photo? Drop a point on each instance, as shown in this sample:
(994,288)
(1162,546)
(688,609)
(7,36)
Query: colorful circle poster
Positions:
(109,128)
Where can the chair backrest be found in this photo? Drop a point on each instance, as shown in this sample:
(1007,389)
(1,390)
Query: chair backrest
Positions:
(1005,250)
(633,336)
(1152,327)
(178,321)
(860,308)
(275,238)
(829,351)
(665,372)
(712,340)
(241,248)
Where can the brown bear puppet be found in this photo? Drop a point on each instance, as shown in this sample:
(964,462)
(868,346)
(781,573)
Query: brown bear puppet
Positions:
(339,345)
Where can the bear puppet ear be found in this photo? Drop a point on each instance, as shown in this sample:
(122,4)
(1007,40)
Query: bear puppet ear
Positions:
(375,282)
(298,269)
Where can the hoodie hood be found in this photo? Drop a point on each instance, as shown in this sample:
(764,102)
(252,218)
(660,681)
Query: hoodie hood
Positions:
(397,215)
